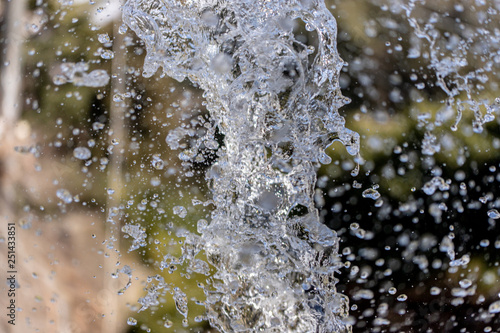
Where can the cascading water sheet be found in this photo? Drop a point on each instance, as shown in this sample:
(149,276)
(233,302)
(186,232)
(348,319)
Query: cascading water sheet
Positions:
(275,97)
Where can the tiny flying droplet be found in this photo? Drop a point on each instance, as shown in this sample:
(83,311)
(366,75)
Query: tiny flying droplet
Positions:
(493,214)
(371,194)
(82,153)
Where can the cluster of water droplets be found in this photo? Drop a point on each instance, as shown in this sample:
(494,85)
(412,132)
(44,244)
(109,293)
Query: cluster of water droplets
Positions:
(77,73)
(275,98)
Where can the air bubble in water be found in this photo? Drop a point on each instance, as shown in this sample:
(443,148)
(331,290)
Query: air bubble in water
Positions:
(131,321)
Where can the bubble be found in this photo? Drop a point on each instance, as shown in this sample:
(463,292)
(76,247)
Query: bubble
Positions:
(402,297)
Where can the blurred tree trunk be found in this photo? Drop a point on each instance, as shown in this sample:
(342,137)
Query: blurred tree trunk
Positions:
(118,136)
(11,77)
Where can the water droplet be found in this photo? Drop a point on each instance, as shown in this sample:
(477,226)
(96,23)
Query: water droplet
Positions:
(484,243)
(97,126)
(103,38)
(363,294)
(465,283)
(82,153)
(122,29)
(64,195)
(493,214)
(180,211)
(107,54)
(494,307)
(371,194)
(157,162)
(435,291)
(381,322)
(118,97)
(201,225)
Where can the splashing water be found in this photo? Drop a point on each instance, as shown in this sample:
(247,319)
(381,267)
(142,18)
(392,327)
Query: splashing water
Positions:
(275,99)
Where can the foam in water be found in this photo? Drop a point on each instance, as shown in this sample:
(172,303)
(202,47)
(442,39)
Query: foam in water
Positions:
(275,97)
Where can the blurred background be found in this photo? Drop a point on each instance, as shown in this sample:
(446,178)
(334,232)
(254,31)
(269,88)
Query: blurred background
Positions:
(426,187)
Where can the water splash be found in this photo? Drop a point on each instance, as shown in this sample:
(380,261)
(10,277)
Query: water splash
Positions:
(275,96)
(76,73)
